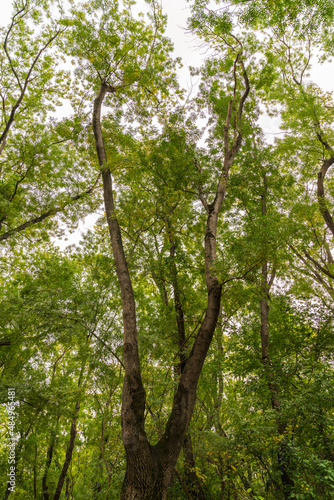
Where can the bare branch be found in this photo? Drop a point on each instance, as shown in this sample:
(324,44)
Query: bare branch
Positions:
(109,349)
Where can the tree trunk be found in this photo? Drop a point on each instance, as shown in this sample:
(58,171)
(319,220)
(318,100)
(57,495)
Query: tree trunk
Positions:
(192,481)
(47,466)
(67,489)
(49,456)
(150,469)
(18,450)
(35,472)
(69,452)
(70,446)
(283,453)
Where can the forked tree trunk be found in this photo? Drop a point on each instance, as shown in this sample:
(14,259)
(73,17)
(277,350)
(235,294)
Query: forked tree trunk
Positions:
(150,469)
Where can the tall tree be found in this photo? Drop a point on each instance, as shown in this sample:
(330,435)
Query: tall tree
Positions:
(150,468)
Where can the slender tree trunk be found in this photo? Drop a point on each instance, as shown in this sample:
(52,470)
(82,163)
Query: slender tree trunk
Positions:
(69,452)
(18,450)
(49,456)
(283,453)
(47,466)
(35,472)
(192,481)
(191,485)
(184,486)
(103,441)
(70,446)
(141,467)
(181,337)
(67,488)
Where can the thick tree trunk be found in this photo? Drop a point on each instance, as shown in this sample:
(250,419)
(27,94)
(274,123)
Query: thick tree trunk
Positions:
(150,469)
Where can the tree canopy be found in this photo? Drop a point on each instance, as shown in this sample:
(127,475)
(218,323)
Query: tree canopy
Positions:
(183,348)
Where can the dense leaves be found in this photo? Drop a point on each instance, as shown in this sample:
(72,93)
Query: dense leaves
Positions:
(185,172)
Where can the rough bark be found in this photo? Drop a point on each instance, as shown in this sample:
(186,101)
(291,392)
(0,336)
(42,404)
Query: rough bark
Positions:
(150,469)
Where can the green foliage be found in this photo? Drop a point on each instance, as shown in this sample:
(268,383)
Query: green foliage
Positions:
(60,311)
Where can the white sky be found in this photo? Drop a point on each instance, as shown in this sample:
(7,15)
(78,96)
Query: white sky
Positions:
(186,47)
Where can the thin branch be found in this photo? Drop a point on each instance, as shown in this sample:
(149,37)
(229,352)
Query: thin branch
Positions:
(321,194)
(14,23)
(271,280)
(314,274)
(183,484)
(319,266)
(25,85)
(48,213)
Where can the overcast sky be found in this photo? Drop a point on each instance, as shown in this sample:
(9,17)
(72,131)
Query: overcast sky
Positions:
(187,48)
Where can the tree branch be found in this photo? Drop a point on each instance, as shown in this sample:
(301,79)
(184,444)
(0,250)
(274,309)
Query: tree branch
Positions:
(45,215)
